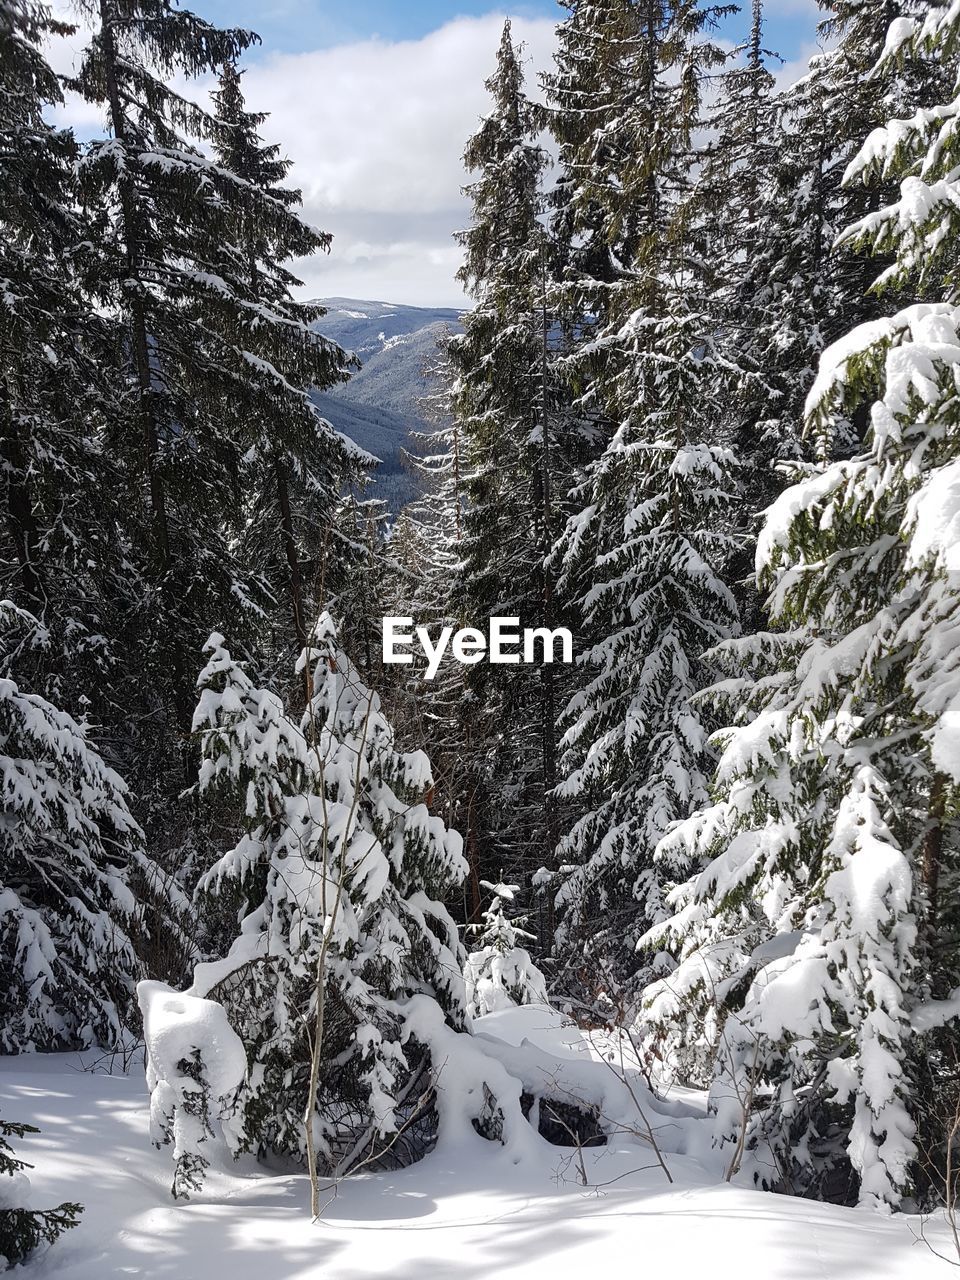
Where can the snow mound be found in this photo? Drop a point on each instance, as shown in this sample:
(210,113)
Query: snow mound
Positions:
(175,1026)
(195,1060)
(541,1026)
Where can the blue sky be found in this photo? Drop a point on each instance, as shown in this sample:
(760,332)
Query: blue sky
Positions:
(373,101)
(294,25)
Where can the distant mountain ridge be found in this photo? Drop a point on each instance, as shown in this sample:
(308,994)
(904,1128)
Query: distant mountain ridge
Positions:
(380,406)
(364,327)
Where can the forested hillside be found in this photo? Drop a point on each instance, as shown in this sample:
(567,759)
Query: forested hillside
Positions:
(686,903)
(390,398)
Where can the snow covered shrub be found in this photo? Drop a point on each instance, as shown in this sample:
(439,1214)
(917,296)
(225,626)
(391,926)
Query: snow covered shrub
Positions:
(341,872)
(195,1065)
(70,856)
(23,1229)
(499,973)
(816,941)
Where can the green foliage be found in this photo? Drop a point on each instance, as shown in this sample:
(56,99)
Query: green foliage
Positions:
(513,463)
(645,547)
(815,935)
(23,1230)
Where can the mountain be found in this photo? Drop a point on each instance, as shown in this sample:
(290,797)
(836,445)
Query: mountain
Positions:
(381,404)
(364,327)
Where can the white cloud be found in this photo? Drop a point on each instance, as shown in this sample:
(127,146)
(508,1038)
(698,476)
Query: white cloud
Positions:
(376,130)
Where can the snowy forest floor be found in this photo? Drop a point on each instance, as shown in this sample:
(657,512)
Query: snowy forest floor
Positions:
(468,1215)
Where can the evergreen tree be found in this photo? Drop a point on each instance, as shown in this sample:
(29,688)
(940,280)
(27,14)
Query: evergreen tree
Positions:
(512,462)
(816,947)
(160,218)
(63,545)
(338,878)
(770,204)
(445,713)
(605,66)
(294,467)
(644,551)
(196,1065)
(164,218)
(497,360)
(215,433)
(499,973)
(795,292)
(357,584)
(23,1229)
(74,881)
(730,231)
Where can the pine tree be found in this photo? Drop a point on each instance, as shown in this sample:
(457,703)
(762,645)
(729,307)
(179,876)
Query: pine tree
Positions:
(222,360)
(797,292)
(816,944)
(160,218)
(605,67)
(444,713)
(74,882)
(645,550)
(730,228)
(357,583)
(165,216)
(770,204)
(294,467)
(339,878)
(215,433)
(63,544)
(499,973)
(512,461)
(23,1229)
(196,1065)
(497,359)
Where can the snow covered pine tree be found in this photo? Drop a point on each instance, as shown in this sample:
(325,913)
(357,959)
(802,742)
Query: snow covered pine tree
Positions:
(339,879)
(71,868)
(510,464)
(63,554)
(817,950)
(645,549)
(499,972)
(22,1229)
(215,432)
(293,462)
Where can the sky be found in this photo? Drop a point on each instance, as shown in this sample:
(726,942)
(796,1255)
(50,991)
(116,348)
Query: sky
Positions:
(373,102)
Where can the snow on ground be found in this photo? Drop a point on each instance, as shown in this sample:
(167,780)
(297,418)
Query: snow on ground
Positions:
(467,1215)
(544,1027)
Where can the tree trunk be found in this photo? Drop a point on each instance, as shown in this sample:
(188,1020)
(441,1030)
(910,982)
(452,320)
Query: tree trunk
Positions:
(473,870)
(20,517)
(933,849)
(139,339)
(548,700)
(290,552)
